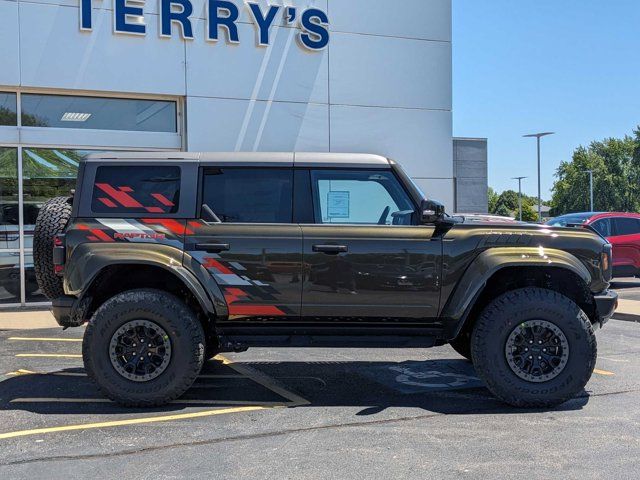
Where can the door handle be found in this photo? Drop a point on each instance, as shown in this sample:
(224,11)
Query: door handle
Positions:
(330,249)
(213,247)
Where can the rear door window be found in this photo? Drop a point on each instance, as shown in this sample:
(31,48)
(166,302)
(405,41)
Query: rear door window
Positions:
(136,189)
(626,226)
(247,195)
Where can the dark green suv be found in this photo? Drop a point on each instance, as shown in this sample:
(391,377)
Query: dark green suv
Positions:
(172,258)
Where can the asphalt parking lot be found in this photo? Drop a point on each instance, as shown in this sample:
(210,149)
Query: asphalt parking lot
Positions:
(314,413)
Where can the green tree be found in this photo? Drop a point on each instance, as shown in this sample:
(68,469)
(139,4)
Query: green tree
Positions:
(502,210)
(616,166)
(528,212)
(509,200)
(493,199)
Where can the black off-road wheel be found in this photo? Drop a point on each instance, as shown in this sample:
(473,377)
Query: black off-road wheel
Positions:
(143,348)
(462,345)
(52,220)
(534,348)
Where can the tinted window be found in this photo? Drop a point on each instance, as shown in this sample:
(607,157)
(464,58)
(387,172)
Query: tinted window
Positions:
(256,195)
(63,111)
(626,226)
(603,227)
(360,197)
(153,189)
(8,111)
(9,210)
(568,220)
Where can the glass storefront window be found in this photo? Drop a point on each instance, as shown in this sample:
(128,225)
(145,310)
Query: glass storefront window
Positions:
(32,292)
(47,173)
(9,209)
(9,277)
(61,111)
(8,109)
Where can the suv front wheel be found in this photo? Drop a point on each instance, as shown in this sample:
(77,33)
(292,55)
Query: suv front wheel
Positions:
(534,348)
(143,348)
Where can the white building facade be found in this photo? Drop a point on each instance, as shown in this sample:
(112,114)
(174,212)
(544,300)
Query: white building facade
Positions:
(369,76)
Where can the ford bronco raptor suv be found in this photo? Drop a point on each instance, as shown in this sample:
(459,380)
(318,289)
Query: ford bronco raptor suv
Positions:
(171,258)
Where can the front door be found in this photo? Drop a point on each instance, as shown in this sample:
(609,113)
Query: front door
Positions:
(365,258)
(245,238)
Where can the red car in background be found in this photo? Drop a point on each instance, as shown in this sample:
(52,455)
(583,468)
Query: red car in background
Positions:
(622,230)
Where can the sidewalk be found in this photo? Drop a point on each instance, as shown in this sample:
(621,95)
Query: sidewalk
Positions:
(27,320)
(628,310)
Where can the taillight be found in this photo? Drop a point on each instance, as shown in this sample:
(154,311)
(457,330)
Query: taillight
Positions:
(59,254)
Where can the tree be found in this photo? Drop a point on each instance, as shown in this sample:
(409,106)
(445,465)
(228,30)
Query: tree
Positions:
(528,213)
(502,210)
(493,199)
(616,166)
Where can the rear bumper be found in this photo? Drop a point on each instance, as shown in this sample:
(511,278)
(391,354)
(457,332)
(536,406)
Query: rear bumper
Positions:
(606,304)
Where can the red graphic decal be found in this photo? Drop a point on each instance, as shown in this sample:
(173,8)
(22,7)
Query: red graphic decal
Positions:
(154,210)
(213,263)
(195,224)
(263,310)
(172,225)
(144,236)
(108,202)
(91,238)
(126,189)
(232,295)
(101,235)
(121,196)
(162,199)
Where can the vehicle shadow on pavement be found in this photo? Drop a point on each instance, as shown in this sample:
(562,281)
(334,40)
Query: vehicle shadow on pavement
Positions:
(447,386)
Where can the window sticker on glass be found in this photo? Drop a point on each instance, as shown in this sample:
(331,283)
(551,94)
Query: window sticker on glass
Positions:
(338,204)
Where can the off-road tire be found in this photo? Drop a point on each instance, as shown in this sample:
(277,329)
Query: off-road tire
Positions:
(495,324)
(172,315)
(52,220)
(462,345)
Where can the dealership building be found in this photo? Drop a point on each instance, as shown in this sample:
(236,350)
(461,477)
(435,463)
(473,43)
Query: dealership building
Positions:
(210,75)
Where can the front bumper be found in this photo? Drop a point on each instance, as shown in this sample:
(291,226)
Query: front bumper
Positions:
(606,304)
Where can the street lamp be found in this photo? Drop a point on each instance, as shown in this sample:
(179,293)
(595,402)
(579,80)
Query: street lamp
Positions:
(590,172)
(519,194)
(538,136)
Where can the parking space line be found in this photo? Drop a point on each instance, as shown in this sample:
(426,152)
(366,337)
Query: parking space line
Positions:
(132,421)
(266,381)
(43,339)
(603,372)
(50,355)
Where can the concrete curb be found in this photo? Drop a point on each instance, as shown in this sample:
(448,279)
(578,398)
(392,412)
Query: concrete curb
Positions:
(27,320)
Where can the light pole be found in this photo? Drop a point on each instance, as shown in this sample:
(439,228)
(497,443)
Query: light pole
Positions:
(519,194)
(538,136)
(590,172)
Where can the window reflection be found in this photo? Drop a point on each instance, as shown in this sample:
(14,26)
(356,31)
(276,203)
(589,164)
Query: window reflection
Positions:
(8,109)
(9,198)
(9,277)
(47,173)
(62,111)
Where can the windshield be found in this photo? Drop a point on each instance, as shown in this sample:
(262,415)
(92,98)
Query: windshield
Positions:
(569,220)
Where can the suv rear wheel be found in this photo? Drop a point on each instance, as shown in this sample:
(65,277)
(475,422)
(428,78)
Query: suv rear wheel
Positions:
(143,348)
(534,348)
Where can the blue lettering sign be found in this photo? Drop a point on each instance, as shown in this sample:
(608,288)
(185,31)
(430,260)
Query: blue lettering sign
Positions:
(263,22)
(168,16)
(128,17)
(122,13)
(315,26)
(228,21)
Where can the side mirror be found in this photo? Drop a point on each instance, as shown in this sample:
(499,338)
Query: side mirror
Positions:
(431,211)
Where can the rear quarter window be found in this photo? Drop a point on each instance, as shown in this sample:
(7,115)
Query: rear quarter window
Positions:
(136,189)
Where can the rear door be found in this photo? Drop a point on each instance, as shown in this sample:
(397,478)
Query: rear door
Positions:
(366,260)
(626,246)
(246,239)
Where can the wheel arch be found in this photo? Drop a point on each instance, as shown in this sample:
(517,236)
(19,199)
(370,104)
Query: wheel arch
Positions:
(499,270)
(100,271)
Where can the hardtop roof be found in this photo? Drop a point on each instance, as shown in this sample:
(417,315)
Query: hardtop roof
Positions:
(337,160)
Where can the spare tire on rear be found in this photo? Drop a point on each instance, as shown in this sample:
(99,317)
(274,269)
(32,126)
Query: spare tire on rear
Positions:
(52,220)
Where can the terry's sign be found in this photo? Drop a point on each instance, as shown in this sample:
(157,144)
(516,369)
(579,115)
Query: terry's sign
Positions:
(222,17)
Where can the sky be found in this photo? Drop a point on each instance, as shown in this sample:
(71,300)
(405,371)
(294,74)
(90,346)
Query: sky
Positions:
(525,66)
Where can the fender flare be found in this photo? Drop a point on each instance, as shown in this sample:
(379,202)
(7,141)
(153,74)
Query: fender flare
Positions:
(89,259)
(491,261)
